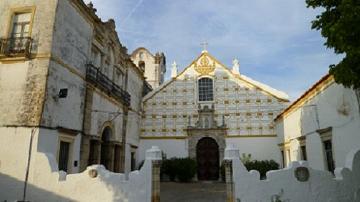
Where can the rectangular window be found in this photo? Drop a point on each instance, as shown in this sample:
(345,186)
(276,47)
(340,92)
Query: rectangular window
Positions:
(64,155)
(329,155)
(206,89)
(283,158)
(117,159)
(133,161)
(21,25)
(288,156)
(18,41)
(303,153)
(93,152)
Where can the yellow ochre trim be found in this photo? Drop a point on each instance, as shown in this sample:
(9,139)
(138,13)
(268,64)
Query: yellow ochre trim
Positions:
(249,136)
(162,137)
(223,66)
(315,90)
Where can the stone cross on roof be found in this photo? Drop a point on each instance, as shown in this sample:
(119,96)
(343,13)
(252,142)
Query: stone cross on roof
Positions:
(204,45)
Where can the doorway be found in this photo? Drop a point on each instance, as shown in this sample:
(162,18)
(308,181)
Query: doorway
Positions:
(207,156)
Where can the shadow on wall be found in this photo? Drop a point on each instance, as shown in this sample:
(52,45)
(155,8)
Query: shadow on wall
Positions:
(94,184)
(10,187)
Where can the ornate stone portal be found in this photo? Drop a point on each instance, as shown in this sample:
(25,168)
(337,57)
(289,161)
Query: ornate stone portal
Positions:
(206,127)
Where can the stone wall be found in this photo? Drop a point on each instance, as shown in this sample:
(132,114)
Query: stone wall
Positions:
(23,81)
(297,183)
(46,183)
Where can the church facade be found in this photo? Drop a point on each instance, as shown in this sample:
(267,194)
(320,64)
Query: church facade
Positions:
(206,107)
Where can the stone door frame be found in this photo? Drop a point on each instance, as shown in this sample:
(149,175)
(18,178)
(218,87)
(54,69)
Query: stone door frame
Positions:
(194,135)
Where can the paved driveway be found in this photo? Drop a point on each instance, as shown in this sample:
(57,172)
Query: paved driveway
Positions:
(193,192)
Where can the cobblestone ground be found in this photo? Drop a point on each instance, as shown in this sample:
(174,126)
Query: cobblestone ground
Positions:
(193,192)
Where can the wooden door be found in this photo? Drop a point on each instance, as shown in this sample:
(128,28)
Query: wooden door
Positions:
(207,156)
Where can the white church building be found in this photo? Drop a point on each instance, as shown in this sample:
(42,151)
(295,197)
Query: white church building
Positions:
(206,107)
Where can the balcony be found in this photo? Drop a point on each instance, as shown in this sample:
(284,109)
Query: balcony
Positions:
(16,47)
(100,80)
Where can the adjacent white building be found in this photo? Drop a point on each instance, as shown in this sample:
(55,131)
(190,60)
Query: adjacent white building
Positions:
(322,126)
(67,88)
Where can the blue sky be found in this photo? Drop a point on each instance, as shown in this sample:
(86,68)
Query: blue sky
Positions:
(272,40)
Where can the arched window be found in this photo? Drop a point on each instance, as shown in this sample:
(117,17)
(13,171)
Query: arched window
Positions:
(205,89)
(141,56)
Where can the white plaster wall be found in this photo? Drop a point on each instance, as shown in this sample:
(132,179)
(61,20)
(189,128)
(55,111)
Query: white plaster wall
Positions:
(172,148)
(134,87)
(103,111)
(64,112)
(14,151)
(46,183)
(22,87)
(260,148)
(72,37)
(48,142)
(282,185)
(303,122)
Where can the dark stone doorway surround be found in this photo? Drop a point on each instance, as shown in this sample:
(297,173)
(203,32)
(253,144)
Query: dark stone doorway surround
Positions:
(207,158)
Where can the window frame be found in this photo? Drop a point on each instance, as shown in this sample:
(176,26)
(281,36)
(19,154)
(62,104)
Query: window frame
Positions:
(20,10)
(325,136)
(198,90)
(69,139)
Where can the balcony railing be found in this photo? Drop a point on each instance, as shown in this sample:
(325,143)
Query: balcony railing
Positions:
(95,76)
(16,47)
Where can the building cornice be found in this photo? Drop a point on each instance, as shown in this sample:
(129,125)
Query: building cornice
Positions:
(316,89)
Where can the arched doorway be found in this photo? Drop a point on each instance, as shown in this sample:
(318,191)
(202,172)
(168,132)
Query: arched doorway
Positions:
(207,156)
(106,159)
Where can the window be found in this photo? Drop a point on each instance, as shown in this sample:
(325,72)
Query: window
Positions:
(206,89)
(21,25)
(141,56)
(288,154)
(133,161)
(303,152)
(328,155)
(64,155)
(18,41)
(326,138)
(93,157)
(283,158)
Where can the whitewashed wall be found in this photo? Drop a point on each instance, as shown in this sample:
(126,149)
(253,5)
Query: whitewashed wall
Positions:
(327,106)
(135,87)
(282,185)
(260,148)
(46,183)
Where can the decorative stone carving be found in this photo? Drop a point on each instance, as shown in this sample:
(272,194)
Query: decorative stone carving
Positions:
(174,70)
(302,174)
(236,66)
(93,173)
(204,67)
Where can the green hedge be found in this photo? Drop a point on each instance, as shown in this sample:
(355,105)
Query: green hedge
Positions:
(262,166)
(183,169)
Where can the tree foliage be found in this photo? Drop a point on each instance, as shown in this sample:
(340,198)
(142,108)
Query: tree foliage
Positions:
(340,25)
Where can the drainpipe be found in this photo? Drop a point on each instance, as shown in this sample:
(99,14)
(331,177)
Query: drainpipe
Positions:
(28,164)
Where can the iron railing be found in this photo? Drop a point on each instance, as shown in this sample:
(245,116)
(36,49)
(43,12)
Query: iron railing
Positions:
(95,76)
(16,47)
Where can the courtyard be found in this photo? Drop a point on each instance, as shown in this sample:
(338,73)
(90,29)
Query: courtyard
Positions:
(203,191)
